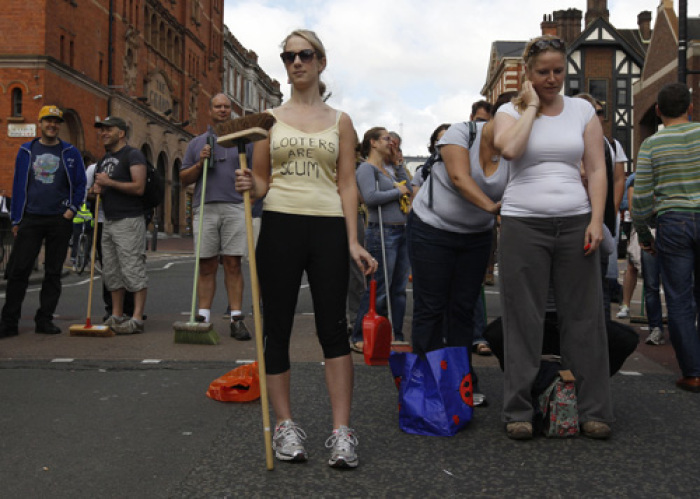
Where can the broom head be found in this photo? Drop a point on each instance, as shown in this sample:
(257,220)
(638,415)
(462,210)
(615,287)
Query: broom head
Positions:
(246,129)
(195,333)
(88,329)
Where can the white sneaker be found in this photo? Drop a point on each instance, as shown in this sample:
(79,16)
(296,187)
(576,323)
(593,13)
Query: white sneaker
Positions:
(288,442)
(342,443)
(656,337)
(624,312)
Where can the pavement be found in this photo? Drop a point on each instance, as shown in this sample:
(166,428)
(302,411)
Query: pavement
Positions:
(128,417)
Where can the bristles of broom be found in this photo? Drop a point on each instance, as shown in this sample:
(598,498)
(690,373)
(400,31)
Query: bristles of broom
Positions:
(258,120)
(195,333)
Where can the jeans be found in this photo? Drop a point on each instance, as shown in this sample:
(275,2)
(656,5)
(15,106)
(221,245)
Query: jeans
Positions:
(34,230)
(652,296)
(448,269)
(678,245)
(479,321)
(398,269)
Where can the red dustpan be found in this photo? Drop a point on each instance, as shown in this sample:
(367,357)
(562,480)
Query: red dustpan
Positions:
(376,332)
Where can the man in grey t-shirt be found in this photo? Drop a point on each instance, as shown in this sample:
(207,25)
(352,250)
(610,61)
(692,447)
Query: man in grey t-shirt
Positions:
(223,232)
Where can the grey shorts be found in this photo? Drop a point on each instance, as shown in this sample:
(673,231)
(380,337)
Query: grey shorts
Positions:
(124,254)
(223,232)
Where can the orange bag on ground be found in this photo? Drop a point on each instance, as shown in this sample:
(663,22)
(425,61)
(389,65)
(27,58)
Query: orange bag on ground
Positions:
(240,385)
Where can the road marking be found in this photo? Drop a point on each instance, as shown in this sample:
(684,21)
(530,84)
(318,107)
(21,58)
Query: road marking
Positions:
(630,373)
(244,361)
(151,361)
(64,361)
(168,265)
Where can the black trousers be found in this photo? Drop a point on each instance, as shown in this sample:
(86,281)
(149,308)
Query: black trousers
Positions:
(290,245)
(55,232)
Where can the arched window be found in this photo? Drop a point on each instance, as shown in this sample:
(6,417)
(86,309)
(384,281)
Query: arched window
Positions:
(17,102)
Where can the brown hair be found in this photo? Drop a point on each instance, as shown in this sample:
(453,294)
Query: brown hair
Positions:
(318,47)
(372,134)
(530,55)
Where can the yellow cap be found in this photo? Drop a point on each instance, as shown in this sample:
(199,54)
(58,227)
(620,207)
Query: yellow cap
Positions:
(50,112)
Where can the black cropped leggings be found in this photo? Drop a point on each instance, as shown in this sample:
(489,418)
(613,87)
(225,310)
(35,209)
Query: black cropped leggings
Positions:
(288,246)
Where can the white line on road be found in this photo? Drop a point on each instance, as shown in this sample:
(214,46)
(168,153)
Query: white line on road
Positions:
(64,361)
(151,361)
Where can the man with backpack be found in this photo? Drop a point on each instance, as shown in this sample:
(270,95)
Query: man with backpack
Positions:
(120,180)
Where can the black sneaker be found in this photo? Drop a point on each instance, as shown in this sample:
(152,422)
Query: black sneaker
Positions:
(239,331)
(7,330)
(47,327)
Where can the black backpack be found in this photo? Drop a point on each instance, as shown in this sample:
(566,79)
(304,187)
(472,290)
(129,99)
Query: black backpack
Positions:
(154,192)
(427,168)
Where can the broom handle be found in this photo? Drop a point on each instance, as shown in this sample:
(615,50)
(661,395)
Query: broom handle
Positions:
(92,262)
(202,198)
(386,270)
(255,288)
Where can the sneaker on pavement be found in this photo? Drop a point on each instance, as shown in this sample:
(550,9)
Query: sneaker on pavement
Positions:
(596,429)
(8,330)
(131,326)
(342,443)
(288,442)
(113,321)
(656,337)
(480,400)
(239,331)
(624,312)
(46,327)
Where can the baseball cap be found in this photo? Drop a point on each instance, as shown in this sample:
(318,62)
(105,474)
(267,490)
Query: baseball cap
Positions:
(50,112)
(112,121)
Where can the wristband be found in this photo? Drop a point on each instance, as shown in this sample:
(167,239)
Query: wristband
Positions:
(533,105)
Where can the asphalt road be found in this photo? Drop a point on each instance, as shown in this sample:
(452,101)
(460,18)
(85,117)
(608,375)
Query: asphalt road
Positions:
(127,417)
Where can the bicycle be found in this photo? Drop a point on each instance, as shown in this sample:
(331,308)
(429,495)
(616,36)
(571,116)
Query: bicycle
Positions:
(82,256)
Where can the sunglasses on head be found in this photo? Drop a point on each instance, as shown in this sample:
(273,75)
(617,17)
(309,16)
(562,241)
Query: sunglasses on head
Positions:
(304,56)
(544,44)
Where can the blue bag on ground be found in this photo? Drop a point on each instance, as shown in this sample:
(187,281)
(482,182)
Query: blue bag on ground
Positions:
(435,392)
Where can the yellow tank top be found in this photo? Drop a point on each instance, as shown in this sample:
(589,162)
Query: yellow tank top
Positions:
(304,171)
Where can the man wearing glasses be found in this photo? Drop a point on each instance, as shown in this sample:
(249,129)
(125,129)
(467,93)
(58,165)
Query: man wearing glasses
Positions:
(223,232)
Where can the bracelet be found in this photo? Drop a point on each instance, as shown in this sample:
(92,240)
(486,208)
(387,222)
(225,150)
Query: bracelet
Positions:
(533,105)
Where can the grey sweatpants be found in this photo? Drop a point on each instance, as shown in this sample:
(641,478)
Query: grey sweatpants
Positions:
(533,251)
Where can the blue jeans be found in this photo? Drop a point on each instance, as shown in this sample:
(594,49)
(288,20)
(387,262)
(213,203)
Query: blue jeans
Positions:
(398,269)
(678,245)
(448,270)
(652,296)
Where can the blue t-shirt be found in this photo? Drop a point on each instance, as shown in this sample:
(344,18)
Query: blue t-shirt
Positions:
(624,205)
(48,189)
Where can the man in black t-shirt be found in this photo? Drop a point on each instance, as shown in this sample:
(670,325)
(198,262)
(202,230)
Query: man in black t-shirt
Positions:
(120,179)
(48,188)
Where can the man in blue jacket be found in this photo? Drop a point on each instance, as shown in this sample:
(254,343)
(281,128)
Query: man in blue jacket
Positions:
(48,188)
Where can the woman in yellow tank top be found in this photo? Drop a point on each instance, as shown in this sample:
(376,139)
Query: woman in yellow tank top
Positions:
(309,224)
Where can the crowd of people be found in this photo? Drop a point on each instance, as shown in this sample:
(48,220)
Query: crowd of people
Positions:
(536,163)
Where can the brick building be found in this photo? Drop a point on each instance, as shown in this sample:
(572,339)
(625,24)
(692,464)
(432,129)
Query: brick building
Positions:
(661,67)
(166,62)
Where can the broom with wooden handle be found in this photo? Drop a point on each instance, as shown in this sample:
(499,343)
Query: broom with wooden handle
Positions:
(239,133)
(201,333)
(88,329)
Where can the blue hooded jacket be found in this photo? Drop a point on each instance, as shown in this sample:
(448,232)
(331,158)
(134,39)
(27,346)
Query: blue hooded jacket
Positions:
(75,171)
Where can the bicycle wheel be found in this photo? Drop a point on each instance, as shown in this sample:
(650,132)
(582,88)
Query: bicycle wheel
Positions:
(83,253)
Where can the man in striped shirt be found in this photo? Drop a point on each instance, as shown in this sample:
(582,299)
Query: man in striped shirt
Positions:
(667,188)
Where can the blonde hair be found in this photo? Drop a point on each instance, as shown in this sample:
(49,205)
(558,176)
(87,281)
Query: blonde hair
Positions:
(316,44)
(530,56)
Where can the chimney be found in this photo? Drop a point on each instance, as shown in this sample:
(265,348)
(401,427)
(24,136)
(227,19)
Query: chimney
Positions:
(644,23)
(596,9)
(548,26)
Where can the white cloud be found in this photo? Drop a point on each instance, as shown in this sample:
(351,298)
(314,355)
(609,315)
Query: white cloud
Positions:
(409,65)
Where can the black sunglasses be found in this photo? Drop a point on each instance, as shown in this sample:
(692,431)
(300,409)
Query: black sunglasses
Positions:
(546,43)
(600,112)
(304,56)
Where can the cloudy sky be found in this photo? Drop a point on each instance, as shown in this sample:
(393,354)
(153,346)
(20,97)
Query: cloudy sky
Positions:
(408,65)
